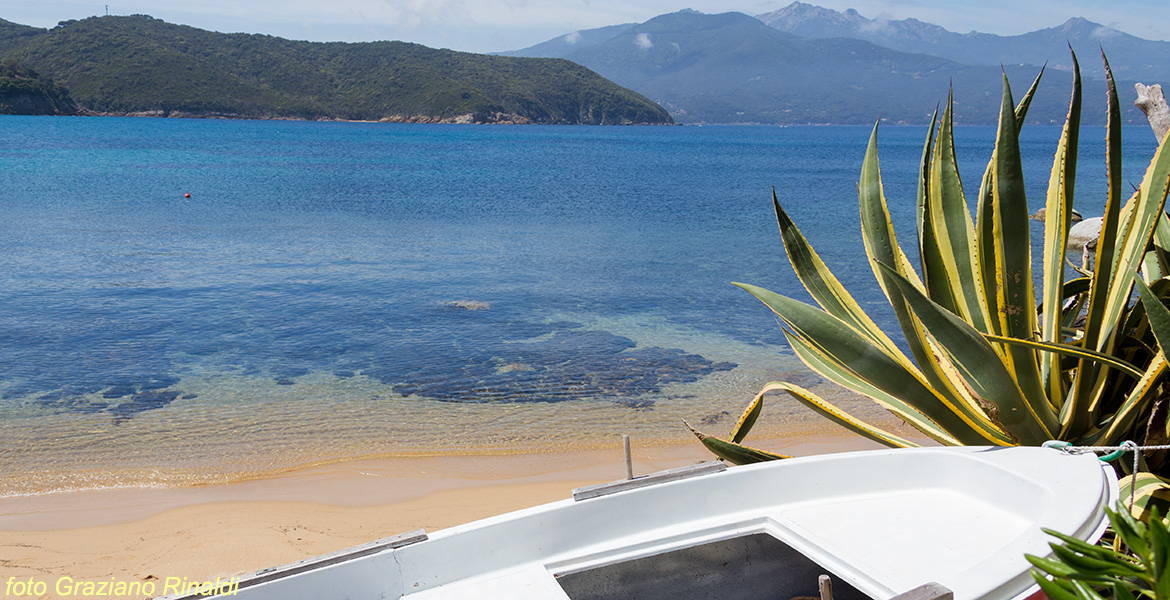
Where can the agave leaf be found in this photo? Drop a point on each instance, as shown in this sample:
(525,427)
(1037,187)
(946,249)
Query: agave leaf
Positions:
(933,269)
(980,366)
(1158,314)
(953,230)
(1137,320)
(1144,210)
(1133,236)
(1148,491)
(1022,107)
(1015,300)
(985,217)
(1058,216)
(1120,425)
(827,409)
(1162,245)
(1070,350)
(859,365)
(881,245)
(843,376)
(876,229)
(824,287)
(748,419)
(1075,287)
(736,454)
(1075,413)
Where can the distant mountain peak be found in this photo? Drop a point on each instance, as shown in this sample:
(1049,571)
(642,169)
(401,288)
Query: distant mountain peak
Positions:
(815,21)
(1131,57)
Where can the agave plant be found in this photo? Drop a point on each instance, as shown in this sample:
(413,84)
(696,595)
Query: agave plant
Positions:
(990,364)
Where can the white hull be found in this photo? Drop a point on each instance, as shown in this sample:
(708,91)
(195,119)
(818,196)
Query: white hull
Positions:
(879,523)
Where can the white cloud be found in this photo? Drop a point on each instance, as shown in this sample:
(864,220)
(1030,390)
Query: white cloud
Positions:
(572,38)
(1102,33)
(642,40)
(878,25)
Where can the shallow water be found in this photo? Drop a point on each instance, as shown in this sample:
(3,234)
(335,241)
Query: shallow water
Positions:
(335,290)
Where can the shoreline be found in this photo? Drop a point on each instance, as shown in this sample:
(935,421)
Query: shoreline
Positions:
(227,530)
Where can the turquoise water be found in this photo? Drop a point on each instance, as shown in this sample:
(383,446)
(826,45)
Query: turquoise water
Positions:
(334,290)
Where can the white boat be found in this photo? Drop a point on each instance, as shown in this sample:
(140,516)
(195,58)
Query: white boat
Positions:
(880,524)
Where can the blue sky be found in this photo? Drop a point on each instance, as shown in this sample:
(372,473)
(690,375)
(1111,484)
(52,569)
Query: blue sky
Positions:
(493,25)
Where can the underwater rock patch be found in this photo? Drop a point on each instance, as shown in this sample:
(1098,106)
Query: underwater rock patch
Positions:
(467,305)
(569,365)
(712,419)
(142,402)
(474,350)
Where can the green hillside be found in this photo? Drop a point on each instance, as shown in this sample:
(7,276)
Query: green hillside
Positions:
(137,64)
(24,92)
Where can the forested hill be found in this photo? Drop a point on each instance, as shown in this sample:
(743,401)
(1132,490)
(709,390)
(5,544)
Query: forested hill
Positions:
(24,92)
(141,65)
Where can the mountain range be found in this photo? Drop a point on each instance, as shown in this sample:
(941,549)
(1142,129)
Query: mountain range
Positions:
(1131,57)
(802,64)
(139,65)
(814,65)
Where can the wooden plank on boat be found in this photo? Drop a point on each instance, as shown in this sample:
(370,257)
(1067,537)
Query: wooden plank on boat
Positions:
(825,583)
(928,591)
(613,487)
(317,562)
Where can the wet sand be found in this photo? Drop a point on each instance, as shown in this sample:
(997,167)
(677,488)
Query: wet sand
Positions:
(200,533)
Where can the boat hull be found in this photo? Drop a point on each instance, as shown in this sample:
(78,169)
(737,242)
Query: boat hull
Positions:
(878,523)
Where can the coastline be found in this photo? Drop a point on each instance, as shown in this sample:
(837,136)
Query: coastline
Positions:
(200,533)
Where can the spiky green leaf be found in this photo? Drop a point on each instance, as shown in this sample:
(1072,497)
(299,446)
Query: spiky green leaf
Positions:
(981,367)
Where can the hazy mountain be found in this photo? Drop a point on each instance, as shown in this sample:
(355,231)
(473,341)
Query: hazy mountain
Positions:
(1131,58)
(732,68)
(560,47)
(139,64)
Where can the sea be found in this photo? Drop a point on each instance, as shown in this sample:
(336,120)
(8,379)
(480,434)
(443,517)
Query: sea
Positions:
(186,302)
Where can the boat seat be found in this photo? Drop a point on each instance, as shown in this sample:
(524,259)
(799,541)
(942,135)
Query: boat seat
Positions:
(530,581)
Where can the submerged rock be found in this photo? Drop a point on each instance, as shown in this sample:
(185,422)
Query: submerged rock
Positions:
(467,305)
(142,402)
(569,365)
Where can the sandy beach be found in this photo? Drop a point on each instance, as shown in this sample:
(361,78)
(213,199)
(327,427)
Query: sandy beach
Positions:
(200,533)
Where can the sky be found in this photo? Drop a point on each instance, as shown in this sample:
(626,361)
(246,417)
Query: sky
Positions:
(497,25)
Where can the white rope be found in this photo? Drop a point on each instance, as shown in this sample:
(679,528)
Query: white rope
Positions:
(1126,446)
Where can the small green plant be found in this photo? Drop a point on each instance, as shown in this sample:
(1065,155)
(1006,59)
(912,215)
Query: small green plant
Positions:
(1137,565)
(990,364)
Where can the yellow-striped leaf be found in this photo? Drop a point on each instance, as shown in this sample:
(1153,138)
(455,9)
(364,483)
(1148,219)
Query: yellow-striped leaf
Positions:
(839,416)
(1058,216)
(980,367)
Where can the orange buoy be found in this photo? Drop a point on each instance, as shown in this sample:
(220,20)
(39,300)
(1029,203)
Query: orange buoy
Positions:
(186,195)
